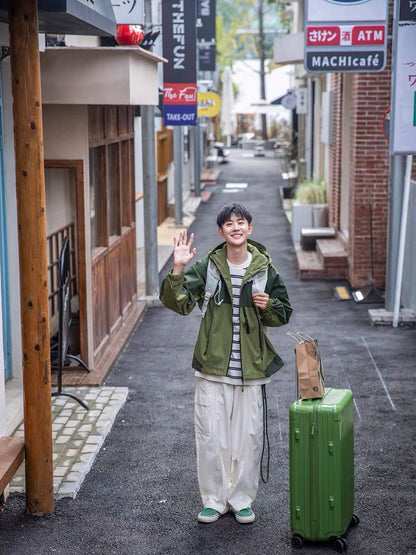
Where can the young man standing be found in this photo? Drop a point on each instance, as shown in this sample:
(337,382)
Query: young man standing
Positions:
(239,292)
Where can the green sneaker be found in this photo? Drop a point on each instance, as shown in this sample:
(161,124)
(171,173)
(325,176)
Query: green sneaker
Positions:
(208,515)
(245,516)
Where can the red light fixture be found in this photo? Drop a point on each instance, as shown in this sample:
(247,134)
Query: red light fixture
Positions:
(129,35)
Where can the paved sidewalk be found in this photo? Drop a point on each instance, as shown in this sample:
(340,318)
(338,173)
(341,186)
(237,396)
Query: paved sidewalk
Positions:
(77,435)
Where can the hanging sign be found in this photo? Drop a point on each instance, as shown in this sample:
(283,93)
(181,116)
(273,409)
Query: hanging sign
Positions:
(128,11)
(206,34)
(209,104)
(345,35)
(179,74)
(403,113)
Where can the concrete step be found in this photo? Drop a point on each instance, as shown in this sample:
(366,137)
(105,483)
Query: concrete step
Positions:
(329,261)
(332,254)
(309,264)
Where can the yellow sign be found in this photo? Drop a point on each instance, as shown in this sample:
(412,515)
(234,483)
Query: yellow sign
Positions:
(209,104)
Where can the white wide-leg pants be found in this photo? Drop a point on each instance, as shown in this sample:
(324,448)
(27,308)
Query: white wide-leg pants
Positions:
(229,434)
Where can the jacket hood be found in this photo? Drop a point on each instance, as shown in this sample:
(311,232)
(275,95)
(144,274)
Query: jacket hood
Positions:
(261,258)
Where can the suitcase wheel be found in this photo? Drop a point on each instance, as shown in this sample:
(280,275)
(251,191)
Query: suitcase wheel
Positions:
(297,541)
(340,545)
(355,521)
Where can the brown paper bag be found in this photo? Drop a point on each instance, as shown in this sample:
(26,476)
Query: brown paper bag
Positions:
(309,369)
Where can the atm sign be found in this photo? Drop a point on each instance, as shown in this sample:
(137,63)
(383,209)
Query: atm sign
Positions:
(345,35)
(368,34)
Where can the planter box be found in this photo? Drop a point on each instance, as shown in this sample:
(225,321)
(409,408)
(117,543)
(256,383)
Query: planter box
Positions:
(307,215)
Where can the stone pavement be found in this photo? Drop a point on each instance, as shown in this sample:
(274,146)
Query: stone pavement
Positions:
(77,435)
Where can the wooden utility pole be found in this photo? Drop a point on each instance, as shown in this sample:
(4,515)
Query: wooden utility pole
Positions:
(31,216)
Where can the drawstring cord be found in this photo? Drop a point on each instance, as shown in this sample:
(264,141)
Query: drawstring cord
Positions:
(265,438)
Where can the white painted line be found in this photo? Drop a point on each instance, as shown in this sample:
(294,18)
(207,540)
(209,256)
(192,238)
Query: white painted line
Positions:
(236,185)
(379,374)
(278,419)
(231,191)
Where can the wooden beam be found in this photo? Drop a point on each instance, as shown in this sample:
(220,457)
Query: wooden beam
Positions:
(30,191)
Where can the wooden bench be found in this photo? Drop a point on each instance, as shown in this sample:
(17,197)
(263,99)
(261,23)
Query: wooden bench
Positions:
(309,236)
(12,454)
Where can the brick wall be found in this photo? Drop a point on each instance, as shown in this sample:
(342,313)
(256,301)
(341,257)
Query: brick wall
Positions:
(334,176)
(369,178)
(369,172)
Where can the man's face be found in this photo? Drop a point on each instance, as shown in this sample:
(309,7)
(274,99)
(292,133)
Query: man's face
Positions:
(236,230)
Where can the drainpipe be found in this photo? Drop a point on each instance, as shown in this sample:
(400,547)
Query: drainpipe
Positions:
(394,222)
(178,159)
(150,201)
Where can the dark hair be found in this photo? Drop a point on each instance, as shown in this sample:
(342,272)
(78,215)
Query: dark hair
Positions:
(234,208)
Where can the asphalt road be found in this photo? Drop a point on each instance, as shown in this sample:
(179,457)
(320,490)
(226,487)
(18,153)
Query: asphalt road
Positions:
(141,496)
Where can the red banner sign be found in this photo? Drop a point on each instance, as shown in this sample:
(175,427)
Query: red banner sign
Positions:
(179,93)
(345,35)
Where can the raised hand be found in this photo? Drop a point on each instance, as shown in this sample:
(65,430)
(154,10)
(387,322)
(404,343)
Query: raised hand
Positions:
(182,253)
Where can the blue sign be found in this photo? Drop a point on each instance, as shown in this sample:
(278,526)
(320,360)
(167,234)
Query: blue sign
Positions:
(179,114)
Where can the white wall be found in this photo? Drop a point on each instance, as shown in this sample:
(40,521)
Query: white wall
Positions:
(60,191)
(138,179)
(65,130)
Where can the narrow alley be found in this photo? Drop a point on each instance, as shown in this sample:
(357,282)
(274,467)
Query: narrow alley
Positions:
(141,496)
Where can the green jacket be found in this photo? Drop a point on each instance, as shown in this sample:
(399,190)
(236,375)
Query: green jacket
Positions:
(213,346)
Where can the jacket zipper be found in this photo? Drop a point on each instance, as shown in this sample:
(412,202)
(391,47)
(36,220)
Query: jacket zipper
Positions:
(260,334)
(246,325)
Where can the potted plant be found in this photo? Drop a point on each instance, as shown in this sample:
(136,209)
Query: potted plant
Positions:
(309,207)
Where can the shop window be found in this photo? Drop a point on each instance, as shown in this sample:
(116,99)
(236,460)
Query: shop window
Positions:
(98,197)
(127,182)
(113,189)
(111,173)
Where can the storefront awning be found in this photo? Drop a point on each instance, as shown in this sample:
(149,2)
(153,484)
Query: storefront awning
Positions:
(113,75)
(72,17)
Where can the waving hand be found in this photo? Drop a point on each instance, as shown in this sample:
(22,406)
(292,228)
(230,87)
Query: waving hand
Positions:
(182,253)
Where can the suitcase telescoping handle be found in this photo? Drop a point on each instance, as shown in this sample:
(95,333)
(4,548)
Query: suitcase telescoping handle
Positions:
(300,337)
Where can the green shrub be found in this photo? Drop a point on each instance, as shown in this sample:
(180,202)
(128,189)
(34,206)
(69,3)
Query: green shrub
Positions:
(311,192)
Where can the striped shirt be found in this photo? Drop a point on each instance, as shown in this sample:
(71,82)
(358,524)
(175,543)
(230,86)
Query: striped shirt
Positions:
(237,273)
(234,373)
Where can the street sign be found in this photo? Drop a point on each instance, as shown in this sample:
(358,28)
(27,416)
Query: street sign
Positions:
(334,61)
(345,10)
(289,101)
(209,104)
(179,74)
(403,112)
(206,10)
(345,35)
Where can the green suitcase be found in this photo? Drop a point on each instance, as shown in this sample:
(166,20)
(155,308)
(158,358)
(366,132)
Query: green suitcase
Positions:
(321,463)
